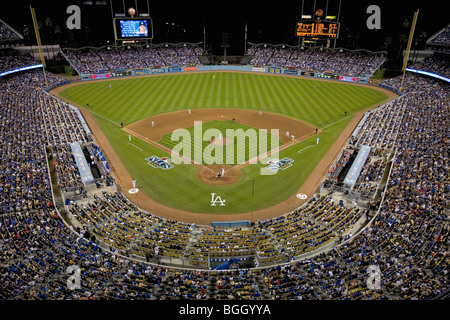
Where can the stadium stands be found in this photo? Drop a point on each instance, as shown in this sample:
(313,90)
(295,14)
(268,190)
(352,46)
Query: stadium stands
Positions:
(440,41)
(7,33)
(336,61)
(97,60)
(126,253)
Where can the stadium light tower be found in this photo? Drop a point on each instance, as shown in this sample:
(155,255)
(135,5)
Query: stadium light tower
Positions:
(225,45)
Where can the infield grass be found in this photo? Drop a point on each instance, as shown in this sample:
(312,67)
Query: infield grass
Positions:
(239,150)
(321,104)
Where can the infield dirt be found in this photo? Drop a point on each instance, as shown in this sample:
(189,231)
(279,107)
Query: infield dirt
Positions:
(153,128)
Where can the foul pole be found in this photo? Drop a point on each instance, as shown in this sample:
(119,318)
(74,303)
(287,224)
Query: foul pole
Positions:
(408,47)
(38,39)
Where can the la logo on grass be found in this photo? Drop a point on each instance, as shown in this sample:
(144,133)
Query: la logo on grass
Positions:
(219,199)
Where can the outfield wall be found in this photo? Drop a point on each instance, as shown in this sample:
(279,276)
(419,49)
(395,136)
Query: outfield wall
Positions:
(272,70)
(177,69)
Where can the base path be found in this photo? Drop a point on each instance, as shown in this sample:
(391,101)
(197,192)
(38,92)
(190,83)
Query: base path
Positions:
(153,128)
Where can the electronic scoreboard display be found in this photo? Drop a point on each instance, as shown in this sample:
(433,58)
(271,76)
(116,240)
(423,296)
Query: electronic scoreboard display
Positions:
(317,29)
(134,28)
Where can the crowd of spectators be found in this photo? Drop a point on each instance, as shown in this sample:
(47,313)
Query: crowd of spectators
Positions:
(96,60)
(336,61)
(6,33)
(437,63)
(187,285)
(441,40)
(11,59)
(407,239)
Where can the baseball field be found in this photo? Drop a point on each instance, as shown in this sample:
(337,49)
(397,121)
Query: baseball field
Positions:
(135,119)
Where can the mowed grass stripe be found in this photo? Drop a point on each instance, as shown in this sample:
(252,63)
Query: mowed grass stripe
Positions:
(291,95)
(184,94)
(259,93)
(196,94)
(138,101)
(309,105)
(305,100)
(243,92)
(237,97)
(211,93)
(202,97)
(163,96)
(326,104)
(288,97)
(164,99)
(270,87)
(156,87)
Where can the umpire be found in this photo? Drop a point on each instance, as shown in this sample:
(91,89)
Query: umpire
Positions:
(219,176)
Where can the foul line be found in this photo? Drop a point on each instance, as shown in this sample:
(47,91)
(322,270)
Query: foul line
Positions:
(86,108)
(135,146)
(156,144)
(276,150)
(306,148)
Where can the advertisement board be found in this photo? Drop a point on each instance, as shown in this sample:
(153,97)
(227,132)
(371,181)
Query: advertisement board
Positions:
(349,79)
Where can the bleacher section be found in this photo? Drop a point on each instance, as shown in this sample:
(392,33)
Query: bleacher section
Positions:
(310,253)
(105,59)
(8,33)
(326,60)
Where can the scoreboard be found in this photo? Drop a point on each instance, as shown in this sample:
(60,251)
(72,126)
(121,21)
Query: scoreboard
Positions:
(317,29)
(133,28)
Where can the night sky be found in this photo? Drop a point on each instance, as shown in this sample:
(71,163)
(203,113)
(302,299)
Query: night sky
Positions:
(272,22)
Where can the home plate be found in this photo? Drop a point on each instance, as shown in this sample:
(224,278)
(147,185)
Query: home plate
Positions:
(301,196)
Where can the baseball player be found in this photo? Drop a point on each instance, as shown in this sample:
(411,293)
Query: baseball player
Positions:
(219,176)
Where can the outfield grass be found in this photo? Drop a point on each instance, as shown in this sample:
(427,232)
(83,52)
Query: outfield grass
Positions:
(321,104)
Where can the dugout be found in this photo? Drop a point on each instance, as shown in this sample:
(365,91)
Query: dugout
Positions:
(231,224)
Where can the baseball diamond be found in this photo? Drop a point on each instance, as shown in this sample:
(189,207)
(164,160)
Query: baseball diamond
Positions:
(147,156)
(150,108)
